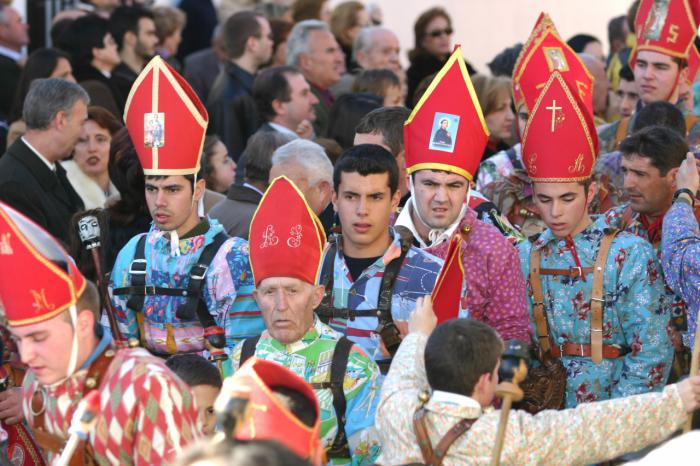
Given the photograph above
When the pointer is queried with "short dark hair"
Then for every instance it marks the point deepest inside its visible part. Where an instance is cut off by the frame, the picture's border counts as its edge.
(616, 29)
(258, 154)
(126, 19)
(297, 403)
(271, 84)
(660, 113)
(376, 81)
(237, 29)
(664, 146)
(346, 113)
(82, 35)
(580, 41)
(189, 177)
(503, 63)
(194, 370)
(367, 159)
(458, 352)
(389, 122)
(626, 73)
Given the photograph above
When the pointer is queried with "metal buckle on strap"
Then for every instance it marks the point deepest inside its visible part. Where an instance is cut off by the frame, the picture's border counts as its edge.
(579, 272)
(600, 300)
(198, 275)
(149, 290)
(138, 272)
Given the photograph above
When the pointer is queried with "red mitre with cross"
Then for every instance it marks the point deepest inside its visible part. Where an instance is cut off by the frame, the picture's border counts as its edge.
(268, 418)
(38, 279)
(286, 238)
(447, 131)
(543, 23)
(166, 121)
(550, 53)
(560, 143)
(667, 27)
(447, 292)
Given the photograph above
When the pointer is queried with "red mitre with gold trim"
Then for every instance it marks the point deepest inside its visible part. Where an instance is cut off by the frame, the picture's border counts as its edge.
(447, 292)
(543, 23)
(268, 418)
(550, 53)
(38, 279)
(447, 131)
(667, 27)
(693, 64)
(286, 238)
(166, 121)
(560, 143)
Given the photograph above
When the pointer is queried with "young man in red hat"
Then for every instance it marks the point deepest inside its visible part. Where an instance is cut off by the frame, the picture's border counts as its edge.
(594, 292)
(145, 415)
(440, 174)
(286, 247)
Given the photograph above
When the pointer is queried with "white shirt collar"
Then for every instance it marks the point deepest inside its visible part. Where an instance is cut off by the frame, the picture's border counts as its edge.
(283, 129)
(11, 54)
(52, 166)
(447, 398)
(250, 186)
(406, 220)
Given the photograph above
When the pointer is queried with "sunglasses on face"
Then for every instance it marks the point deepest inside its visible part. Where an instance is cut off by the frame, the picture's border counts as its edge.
(440, 32)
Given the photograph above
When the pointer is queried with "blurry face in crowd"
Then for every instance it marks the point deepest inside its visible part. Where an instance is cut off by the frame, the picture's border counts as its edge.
(92, 150)
(14, 33)
(393, 96)
(171, 203)
(364, 205)
(172, 42)
(63, 70)
(224, 168)
(657, 77)
(564, 206)
(107, 57)
(280, 56)
(287, 305)
(628, 96)
(147, 39)
(204, 397)
(325, 62)
(378, 139)
(301, 102)
(317, 195)
(648, 192)
(362, 20)
(596, 49)
(522, 120)
(601, 86)
(325, 12)
(383, 52)
(439, 196)
(262, 45)
(500, 121)
(438, 37)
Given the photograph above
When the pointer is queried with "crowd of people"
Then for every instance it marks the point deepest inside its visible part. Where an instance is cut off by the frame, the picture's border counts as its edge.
(244, 234)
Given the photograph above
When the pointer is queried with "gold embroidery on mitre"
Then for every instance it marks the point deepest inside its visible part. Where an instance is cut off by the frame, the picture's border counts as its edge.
(656, 20)
(532, 167)
(41, 302)
(269, 237)
(294, 241)
(672, 34)
(556, 119)
(577, 166)
(556, 60)
(5, 246)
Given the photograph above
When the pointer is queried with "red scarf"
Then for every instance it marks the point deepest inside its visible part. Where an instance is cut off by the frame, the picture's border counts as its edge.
(654, 228)
(572, 247)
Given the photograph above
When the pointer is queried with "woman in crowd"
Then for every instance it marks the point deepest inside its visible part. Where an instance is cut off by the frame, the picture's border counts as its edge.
(280, 31)
(311, 9)
(170, 23)
(219, 168)
(494, 94)
(347, 19)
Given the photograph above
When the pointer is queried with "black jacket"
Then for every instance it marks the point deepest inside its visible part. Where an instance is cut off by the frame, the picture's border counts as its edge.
(29, 186)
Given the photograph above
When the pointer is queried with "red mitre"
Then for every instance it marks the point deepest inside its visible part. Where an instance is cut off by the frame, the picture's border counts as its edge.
(447, 131)
(667, 27)
(550, 53)
(286, 238)
(447, 292)
(166, 121)
(38, 279)
(693, 64)
(268, 418)
(560, 143)
(543, 23)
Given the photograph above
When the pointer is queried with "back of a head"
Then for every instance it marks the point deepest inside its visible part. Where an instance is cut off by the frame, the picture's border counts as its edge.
(660, 113)
(376, 81)
(665, 148)
(194, 370)
(82, 35)
(241, 453)
(47, 97)
(458, 352)
(579, 42)
(126, 173)
(503, 63)
(258, 154)
(389, 122)
(367, 159)
(238, 28)
(126, 19)
(297, 403)
(307, 155)
(346, 113)
(298, 39)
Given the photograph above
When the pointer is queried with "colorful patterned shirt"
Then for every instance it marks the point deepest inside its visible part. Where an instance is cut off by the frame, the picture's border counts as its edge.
(147, 414)
(589, 434)
(415, 278)
(310, 358)
(680, 257)
(633, 313)
(499, 166)
(228, 292)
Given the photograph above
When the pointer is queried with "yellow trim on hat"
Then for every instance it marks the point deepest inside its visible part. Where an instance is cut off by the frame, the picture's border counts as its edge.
(440, 166)
(560, 180)
(546, 23)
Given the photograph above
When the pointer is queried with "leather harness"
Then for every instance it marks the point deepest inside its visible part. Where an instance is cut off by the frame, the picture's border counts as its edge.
(435, 456)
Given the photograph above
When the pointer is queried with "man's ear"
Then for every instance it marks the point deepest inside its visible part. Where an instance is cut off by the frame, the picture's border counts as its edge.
(326, 190)
(592, 192)
(86, 322)
(481, 384)
(671, 176)
(304, 61)
(129, 39)
(334, 200)
(278, 107)
(395, 199)
(199, 188)
(317, 296)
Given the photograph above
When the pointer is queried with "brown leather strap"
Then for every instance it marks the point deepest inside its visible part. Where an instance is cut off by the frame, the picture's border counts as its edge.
(538, 302)
(584, 351)
(690, 120)
(597, 299)
(426, 448)
(436, 456)
(621, 132)
(573, 272)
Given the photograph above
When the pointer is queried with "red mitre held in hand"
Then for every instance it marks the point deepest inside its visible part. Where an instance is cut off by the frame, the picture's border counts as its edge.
(447, 131)
(268, 418)
(38, 279)
(543, 23)
(550, 53)
(447, 292)
(286, 238)
(166, 121)
(667, 27)
(560, 143)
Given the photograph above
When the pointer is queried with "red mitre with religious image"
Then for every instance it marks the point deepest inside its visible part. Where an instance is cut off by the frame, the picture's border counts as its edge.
(286, 238)
(667, 27)
(38, 279)
(447, 131)
(550, 53)
(268, 418)
(447, 292)
(543, 23)
(560, 143)
(166, 121)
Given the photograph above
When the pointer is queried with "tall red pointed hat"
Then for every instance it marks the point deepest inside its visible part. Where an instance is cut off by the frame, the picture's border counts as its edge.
(447, 131)
(286, 238)
(166, 121)
(38, 279)
(560, 143)
(447, 292)
(543, 23)
(667, 27)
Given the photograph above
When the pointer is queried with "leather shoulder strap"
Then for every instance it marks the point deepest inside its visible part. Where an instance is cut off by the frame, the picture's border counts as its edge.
(248, 349)
(597, 298)
(434, 457)
(137, 274)
(324, 310)
(621, 132)
(541, 324)
(339, 366)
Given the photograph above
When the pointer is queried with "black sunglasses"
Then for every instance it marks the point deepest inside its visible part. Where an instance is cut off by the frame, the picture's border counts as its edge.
(439, 32)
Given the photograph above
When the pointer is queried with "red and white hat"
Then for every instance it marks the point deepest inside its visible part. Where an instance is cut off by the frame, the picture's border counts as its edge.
(166, 121)
(667, 27)
(447, 292)
(543, 23)
(560, 143)
(286, 238)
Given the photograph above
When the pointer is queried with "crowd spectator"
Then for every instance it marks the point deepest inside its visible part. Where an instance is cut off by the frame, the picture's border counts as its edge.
(311, 9)
(382, 83)
(169, 24)
(203, 67)
(494, 96)
(347, 20)
(219, 169)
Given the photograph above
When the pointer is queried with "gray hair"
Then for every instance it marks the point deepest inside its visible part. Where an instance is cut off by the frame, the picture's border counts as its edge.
(47, 97)
(309, 156)
(298, 40)
(364, 40)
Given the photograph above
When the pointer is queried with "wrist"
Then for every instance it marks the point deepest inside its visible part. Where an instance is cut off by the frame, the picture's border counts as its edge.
(684, 195)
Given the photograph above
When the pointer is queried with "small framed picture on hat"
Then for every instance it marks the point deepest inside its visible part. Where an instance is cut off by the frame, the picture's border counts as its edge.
(444, 132)
(154, 129)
